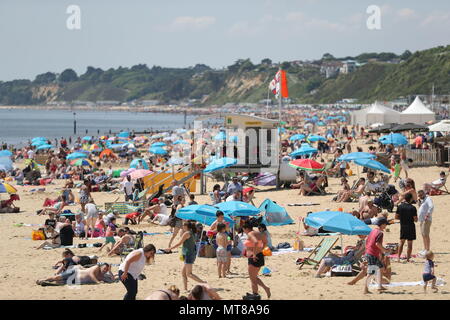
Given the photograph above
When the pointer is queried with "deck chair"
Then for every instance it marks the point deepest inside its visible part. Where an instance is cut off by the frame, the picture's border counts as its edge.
(319, 252)
(138, 244)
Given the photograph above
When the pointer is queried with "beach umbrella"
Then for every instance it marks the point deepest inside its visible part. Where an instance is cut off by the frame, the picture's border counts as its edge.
(124, 134)
(356, 156)
(139, 163)
(116, 146)
(217, 164)
(181, 131)
(107, 152)
(103, 138)
(203, 213)
(395, 139)
(95, 147)
(220, 136)
(129, 145)
(321, 124)
(82, 162)
(127, 172)
(233, 139)
(410, 127)
(383, 128)
(112, 138)
(39, 139)
(157, 150)
(87, 138)
(305, 149)
(296, 137)
(140, 138)
(140, 173)
(181, 142)
(307, 164)
(158, 144)
(7, 188)
(313, 138)
(38, 143)
(157, 136)
(376, 125)
(238, 208)
(45, 147)
(337, 221)
(372, 164)
(5, 153)
(76, 155)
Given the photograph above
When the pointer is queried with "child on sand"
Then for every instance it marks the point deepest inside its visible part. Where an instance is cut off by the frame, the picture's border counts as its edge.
(428, 272)
(223, 241)
(397, 170)
(110, 230)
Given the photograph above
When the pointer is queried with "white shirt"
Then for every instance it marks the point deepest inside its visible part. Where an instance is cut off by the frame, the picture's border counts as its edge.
(108, 218)
(426, 209)
(163, 209)
(135, 268)
(127, 187)
(30, 154)
(91, 209)
(163, 219)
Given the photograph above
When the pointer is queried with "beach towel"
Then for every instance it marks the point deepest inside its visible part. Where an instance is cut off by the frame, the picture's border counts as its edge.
(303, 204)
(439, 282)
(395, 256)
(156, 233)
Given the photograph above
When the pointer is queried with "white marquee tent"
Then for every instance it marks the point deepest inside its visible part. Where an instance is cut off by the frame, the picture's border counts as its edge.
(417, 113)
(376, 113)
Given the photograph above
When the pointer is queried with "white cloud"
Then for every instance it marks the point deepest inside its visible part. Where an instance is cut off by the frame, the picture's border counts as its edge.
(191, 23)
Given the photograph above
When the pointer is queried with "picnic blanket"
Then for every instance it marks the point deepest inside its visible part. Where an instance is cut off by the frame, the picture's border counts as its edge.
(439, 282)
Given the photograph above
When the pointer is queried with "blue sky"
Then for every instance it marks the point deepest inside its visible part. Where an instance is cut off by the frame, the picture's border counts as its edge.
(180, 33)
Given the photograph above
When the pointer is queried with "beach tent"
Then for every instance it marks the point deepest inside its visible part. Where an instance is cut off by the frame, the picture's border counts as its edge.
(274, 214)
(417, 113)
(443, 126)
(376, 113)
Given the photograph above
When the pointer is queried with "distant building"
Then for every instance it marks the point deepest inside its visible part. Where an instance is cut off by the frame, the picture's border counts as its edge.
(108, 103)
(331, 68)
(348, 67)
(148, 103)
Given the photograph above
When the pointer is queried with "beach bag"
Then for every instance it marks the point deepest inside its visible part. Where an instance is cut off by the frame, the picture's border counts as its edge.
(210, 251)
(38, 235)
(344, 270)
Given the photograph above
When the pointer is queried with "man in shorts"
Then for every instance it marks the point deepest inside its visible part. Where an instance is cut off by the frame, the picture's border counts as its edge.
(374, 250)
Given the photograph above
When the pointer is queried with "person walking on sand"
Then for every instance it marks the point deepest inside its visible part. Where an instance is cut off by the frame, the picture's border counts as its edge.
(426, 208)
(254, 245)
(407, 214)
(131, 268)
(428, 272)
(189, 252)
(374, 250)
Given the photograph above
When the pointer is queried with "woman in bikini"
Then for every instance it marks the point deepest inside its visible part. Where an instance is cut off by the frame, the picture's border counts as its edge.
(172, 293)
(254, 246)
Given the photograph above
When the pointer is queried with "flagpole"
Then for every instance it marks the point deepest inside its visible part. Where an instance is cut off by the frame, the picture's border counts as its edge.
(280, 102)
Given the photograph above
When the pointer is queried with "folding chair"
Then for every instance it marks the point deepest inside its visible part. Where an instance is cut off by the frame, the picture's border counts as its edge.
(319, 252)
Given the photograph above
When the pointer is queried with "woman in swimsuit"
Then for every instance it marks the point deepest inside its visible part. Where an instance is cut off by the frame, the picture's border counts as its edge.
(256, 243)
(70, 259)
(100, 226)
(172, 293)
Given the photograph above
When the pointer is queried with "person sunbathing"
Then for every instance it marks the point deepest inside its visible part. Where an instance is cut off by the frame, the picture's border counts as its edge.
(7, 206)
(355, 193)
(172, 293)
(56, 209)
(70, 259)
(345, 190)
(436, 184)
(203, 292)
(314, 186)
(303, 178)
(369, 211)
(410, 187)
(349, 257)
(79, 275)
(55, 239)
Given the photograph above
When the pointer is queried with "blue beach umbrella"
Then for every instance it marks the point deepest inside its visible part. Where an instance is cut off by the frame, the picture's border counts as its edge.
(202, 213)
(313, 138)
(38, 139)
(76, 155)
(124, 134)
(296, 137)
(181, 142)
(305, 149)
(158, 144)
(233, 139)
(356, 156)
(238, 208)
(5, 153)
(372, 164)
(87, 138)
(175, 161)
(321, 124)
(336, 221)
(44, 147)
(395, 139)
(157, 150)
(139, 162)
(218, 164)
(38, 143)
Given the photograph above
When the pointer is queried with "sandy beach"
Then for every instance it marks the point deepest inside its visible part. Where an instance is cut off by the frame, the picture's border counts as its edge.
(21, 265)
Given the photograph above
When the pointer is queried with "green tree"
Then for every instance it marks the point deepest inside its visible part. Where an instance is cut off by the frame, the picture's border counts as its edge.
(328, 56)
(68, 75)
(266, 61)
(45, 78)
(406, 55)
